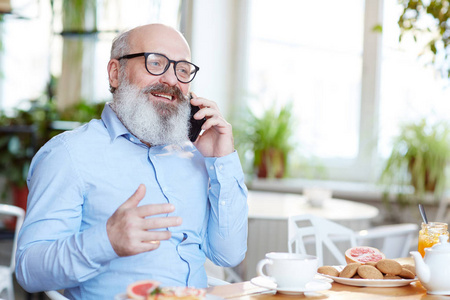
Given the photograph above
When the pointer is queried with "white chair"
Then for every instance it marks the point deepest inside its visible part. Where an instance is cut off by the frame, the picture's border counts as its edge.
(307, 229)
(393, 240)
(55, 295)
(7, 271)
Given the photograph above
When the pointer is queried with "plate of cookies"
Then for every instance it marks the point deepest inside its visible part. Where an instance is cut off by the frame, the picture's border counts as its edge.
(383, 273)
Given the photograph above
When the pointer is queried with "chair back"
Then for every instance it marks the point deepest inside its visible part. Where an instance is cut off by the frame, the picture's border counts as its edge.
(19, 214)
(393, 240)
(16, 214)
(325, 234)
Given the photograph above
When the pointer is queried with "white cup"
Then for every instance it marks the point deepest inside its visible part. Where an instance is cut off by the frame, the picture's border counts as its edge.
(288, 270)
(316, 196)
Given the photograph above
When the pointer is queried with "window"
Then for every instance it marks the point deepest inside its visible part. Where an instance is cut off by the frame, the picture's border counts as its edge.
(315, 58)
(33, 46)
(409, 89)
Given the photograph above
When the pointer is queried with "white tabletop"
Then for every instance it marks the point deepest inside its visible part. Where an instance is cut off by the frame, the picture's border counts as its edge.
(279, 206)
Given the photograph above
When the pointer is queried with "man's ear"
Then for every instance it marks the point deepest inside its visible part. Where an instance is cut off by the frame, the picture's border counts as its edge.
(113, 73)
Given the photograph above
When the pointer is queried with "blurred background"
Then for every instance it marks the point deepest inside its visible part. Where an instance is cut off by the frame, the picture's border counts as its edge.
(348, 99)
(332, 95)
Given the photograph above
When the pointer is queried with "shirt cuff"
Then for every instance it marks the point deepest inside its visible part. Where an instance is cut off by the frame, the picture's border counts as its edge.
(101, 250)
(225, 167)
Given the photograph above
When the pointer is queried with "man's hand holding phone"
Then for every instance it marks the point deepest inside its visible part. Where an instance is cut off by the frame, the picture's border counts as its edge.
(217, 138)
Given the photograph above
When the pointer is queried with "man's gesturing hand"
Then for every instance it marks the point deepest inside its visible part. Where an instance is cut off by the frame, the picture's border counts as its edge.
(130, 232)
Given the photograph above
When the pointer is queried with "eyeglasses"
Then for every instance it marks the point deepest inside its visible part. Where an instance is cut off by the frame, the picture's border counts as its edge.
(157, 64)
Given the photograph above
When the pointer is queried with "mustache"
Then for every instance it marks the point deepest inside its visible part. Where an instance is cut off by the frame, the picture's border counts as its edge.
(162, 88)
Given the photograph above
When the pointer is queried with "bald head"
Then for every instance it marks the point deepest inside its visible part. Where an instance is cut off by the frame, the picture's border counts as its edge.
(150, 38)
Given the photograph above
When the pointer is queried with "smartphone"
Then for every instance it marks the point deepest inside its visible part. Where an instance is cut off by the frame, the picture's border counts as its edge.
(195, 125)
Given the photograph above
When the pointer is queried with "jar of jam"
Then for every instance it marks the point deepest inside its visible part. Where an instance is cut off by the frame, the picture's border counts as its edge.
(429, 235)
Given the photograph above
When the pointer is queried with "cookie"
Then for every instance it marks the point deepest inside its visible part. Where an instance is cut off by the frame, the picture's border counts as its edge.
(390, 276)
(371, 263)
(349, 270)
(405, 273)
(410, 268)
(369, 272)
(328, 270)
(389, 266)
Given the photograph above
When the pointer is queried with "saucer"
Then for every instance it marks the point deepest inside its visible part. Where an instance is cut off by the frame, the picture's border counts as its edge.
(312, 286)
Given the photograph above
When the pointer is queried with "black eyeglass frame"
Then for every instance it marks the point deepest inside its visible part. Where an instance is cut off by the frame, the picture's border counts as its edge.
(147, 54)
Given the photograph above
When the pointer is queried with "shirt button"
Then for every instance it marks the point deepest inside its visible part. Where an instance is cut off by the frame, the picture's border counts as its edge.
(222, 202)
(131, 139)
(220, 167)
(211, 167)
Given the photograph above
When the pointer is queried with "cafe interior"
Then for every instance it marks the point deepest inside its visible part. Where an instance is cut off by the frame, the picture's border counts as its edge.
(340, 115)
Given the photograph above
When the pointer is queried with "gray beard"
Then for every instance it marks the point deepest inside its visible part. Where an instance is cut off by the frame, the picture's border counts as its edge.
(142, 119)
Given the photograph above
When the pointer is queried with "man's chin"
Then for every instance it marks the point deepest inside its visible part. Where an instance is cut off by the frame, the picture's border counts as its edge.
(165, 109)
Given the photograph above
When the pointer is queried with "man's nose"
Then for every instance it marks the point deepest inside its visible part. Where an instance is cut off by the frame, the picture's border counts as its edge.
(169, 76)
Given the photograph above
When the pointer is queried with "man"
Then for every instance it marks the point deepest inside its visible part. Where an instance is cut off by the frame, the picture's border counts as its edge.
(129, 197)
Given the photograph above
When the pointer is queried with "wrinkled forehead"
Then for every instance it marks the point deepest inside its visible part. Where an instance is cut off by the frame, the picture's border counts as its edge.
(160, 39)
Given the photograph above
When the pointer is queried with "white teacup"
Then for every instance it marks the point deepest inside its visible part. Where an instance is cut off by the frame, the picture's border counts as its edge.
(288, 270)
(316, 196)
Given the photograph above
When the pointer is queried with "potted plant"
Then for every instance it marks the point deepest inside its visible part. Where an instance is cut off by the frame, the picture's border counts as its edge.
(21, 134)
(24, 131)
(418, 160)
(267, 139)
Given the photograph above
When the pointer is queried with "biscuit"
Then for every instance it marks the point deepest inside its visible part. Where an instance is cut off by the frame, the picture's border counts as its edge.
(328, 270)
(390, 276)
(349, 270)
(371, 263)
(405, 273)
(389, 266)
(369, 272)
(410, 268)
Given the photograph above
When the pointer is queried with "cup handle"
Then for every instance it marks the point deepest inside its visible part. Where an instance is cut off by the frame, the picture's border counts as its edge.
(260, 267)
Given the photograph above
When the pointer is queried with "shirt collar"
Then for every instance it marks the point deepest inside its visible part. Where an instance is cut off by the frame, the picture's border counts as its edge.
(113, 124)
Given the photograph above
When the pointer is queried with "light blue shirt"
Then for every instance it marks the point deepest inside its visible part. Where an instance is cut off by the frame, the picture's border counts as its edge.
(79, 178)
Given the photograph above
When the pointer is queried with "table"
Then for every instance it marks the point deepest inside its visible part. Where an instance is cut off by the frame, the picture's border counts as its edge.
(246, 290)
(279, 206)
(267, 222)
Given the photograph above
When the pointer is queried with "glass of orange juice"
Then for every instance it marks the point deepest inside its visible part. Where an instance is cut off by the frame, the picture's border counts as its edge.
(429, 235)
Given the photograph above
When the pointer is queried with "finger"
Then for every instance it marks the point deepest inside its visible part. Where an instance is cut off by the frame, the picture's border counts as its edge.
(202, 102)
(155, 209)
(208, 113)
(143, 247)
(157, 223)
(155, 236)
(219, 123)
(134, 200)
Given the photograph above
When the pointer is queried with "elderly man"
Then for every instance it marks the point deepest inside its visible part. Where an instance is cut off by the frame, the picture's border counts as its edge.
(129, 197)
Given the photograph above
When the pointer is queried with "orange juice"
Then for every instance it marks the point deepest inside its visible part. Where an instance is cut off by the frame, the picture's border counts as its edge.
(429, 235)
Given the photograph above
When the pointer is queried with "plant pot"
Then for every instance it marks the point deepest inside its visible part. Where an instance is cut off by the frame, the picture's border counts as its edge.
(19, 198)
(429, 185)
(273, 164)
